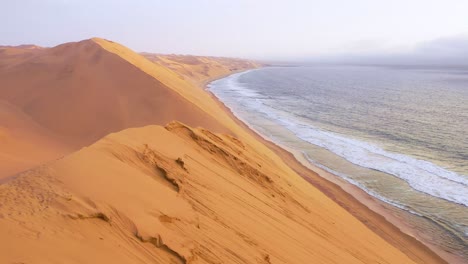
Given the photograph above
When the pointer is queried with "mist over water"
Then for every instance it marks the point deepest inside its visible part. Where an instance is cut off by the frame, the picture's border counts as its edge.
(399, 133)
(450, 52)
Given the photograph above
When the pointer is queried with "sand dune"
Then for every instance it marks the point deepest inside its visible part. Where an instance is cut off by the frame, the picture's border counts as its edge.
(177, 195)
(82, 91)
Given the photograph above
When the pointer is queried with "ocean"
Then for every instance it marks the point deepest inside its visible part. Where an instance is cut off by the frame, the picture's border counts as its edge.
(400, 133)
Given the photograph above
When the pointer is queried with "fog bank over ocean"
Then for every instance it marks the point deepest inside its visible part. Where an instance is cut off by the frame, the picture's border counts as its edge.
(447, 51)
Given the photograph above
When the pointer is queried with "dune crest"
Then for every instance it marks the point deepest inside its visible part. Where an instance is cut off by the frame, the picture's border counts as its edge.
(176, 194)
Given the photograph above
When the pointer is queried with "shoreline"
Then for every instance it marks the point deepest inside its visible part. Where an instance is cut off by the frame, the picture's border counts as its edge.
(366, 208)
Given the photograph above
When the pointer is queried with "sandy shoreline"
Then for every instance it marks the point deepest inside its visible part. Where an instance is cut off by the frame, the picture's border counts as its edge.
(363, 206)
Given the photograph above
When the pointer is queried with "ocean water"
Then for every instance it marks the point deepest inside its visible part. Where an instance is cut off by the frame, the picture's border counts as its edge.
(399, 133)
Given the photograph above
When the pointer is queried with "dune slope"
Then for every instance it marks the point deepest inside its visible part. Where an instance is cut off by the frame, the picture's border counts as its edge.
(176, 194)
(79, 92)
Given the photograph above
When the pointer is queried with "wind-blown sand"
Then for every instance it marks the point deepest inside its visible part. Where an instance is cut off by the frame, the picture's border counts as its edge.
(160, 194)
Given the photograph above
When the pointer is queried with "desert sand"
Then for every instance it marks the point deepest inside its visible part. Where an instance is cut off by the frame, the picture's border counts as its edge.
(76, 93)
(135, 186)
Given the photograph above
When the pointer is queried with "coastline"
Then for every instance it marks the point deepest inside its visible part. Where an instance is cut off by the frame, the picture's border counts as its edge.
(367, 209)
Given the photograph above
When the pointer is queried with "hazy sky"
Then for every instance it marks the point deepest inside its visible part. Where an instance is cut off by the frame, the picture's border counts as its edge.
(245, 28)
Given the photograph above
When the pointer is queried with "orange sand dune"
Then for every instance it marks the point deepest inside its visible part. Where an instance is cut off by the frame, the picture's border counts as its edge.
(177, 195)
(82, 91)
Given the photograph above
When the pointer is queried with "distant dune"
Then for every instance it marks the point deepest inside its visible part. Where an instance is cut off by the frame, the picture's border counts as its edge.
(127, 159)
(201, 69)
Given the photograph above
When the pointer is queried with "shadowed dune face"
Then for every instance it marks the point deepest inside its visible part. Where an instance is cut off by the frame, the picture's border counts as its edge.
(23, 142)
(83, 92)
(79, 92)
(176, 194)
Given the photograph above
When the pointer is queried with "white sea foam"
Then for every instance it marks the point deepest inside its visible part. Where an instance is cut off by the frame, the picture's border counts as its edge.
(421, 175)
(361, 186)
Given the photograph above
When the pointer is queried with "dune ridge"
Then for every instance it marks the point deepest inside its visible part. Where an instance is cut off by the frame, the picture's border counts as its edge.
(82, 91)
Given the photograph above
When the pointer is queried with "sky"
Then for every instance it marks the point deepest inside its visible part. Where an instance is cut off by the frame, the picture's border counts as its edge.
(259, 29)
